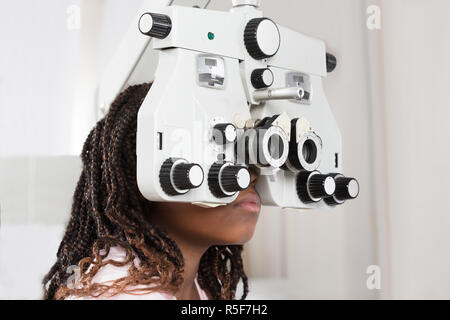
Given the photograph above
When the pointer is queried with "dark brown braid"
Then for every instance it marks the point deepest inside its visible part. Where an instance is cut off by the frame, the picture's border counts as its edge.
(108, 210)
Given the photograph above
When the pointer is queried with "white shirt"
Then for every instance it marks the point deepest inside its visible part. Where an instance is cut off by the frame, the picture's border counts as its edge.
(109, 273)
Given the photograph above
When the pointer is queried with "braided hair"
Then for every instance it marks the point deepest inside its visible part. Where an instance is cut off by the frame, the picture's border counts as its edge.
(108, 210)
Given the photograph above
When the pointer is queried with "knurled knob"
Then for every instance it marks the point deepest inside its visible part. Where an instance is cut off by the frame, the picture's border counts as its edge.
(321, 186)
(187, 176)
(235, 178)
(177, 176)
(346, 188)
(225, 179)
(331, 62)
(262, 38)
(155, 25)
(262, 78)
(224, 133)
(313, 186)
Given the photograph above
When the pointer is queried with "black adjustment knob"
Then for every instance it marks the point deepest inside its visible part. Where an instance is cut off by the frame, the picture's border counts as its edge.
(155, 25)
(331, 62)
(262, 78)
(177, 176)
(224, 133)
(321, 186)
(346, 188)
(262, 38)
(187, 176)
(313, 186)
(235, 178)
(225, 179)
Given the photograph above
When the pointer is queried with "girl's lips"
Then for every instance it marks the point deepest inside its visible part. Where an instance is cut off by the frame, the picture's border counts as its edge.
(250, 202)
(249, 206)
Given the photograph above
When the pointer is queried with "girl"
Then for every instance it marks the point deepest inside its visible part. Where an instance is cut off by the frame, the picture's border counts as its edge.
(119, 245)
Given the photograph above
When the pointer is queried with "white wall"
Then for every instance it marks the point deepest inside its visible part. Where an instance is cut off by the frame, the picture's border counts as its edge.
(48, 78)
(50, 70)
(35, 200)
(413, 49)
(38, 63)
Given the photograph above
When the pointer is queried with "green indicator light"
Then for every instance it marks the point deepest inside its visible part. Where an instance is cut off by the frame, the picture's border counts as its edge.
(211, 36)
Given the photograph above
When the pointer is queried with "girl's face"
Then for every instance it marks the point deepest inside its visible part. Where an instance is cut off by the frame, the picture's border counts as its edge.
(225, 225)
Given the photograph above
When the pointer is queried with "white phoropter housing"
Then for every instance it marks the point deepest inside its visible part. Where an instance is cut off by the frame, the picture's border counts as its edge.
(232, 90)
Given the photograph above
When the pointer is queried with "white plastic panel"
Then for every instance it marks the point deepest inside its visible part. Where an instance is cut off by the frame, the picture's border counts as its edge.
(297, 51)
(134, 62)
(184, 112)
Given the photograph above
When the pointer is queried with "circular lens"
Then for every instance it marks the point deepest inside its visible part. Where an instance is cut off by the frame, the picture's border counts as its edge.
(309, 151)
(269, 148)
(306, 153)
(276, 147)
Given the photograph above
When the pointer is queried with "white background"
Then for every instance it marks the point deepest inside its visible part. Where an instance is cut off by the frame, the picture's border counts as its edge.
(390, 98)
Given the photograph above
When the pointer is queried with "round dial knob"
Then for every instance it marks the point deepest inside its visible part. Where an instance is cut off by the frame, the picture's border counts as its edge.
(155, 25)
(225, 179)
(346, 189)
(262, 78)
(177, 176)
(331, 62)
(314, 186)
(224, 133)
(187, 176)
(262, 38)
(321, 186)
